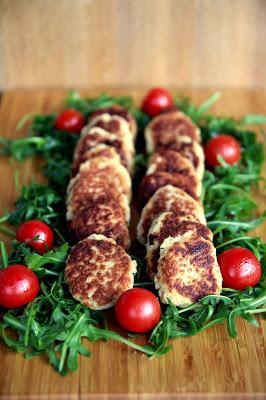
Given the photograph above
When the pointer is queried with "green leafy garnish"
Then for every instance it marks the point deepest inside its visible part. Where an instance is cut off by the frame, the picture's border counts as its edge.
(54, 323)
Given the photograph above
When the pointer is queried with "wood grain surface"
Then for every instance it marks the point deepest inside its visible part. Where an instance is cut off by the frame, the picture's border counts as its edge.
(45, 43)
(209, 365)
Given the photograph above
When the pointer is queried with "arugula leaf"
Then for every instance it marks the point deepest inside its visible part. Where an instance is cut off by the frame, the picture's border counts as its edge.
(54, 323)
(56, 257)
(89, 105)
(37, 201)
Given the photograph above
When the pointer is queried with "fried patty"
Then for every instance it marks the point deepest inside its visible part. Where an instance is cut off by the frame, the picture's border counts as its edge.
(170, 224)
(173, 162)
(103, 150)
(168, 128)
(100, 215)
(111, 170)
(80, 188)
(168, 198)
(95, 136)
(117, 126)
(187, 270)
(151, 183)
(113, 124)
(118, 111)
(98, 271)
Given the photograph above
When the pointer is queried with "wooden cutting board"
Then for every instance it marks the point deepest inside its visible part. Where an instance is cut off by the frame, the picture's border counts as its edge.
(205, 366)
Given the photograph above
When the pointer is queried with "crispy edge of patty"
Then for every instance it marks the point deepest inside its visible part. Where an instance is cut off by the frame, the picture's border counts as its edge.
(159, 203)
(173, 162)
(111, 169)
(170, 224)
(103, 293)
(90, 139)
(106, 218)
(119, 111)
(151, 183)
(160, 131)
(187, 270)
(81, 189)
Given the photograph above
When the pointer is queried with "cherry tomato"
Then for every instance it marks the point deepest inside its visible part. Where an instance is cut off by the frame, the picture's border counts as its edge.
(18, 286)
(224, 145)
(70, 120)
(138, 310)
(31, 229)
(240, 268)
(157, 100)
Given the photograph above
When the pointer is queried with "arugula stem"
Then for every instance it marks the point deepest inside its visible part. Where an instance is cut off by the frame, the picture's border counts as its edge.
(4, 218)
(221, 186)
(115, 336)
(257, 311)
(234, 240)
(65, 347)
(7, 231)
(240, 224)
(28, 323)
(204, 107)
(4, 254)
(13, 322)
(259, 301)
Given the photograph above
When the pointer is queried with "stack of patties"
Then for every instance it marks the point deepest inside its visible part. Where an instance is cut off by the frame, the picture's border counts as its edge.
(98, 212)
(100, 189)
(180, 254)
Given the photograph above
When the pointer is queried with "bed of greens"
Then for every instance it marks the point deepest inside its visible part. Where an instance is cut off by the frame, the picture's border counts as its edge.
(54, 323)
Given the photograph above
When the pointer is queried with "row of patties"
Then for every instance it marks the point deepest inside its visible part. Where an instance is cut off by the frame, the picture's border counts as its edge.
(98, 209)
(181, 258)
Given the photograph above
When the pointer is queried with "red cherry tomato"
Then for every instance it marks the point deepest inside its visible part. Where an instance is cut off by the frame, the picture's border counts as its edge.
(18, 286)
(240, 268)
(224, 145)
(138, 310)
(70, 120)
(31, 229)
(157, 100)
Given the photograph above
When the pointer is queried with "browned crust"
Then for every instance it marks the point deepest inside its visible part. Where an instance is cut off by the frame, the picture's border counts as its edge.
(118, 111)
(200, 255)
(171, 161)
(151, 183)
(88, 142)
(185, 149)
(101, 215)
(173, 225)
(112, 126)
(182, 207)
(167, 127)
(92, 279)
(104, 170)
(96, 187)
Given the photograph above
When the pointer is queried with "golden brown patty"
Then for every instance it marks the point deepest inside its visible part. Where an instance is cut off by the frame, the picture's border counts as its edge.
(113, 124)
(80, 187)
(168, 198)
(168, 128)
(116, 126)
(98, 271)
(101, 215)
(187, 270)
(151, 183)
(170, 224)
(192, 151)
(173, 162)
(119, 111)
(102, 150)
(92, 138)
(102, 168)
